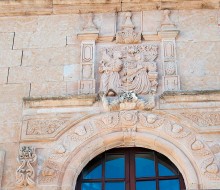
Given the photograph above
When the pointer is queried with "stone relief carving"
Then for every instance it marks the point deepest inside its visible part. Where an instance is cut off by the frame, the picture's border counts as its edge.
(176, 130)
(44, 127)
(167, 24)
(204, 119)
(49, 172)
(128, 122)
(127, 35)
(128, 101)
(129, 71)
(150, 120)
(198, 147)
(108, 121)
(25, 173)
(210, 169)
(129, 68)
(89, 25)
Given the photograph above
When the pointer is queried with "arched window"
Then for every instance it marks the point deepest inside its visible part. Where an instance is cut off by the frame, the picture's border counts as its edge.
(130, 169)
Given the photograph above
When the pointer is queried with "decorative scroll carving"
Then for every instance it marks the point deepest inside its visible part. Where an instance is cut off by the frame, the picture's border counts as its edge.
(128, 101)
(210, 169)
(204, 119)
(129, 68)
(25, 173)
(127, 35)
(44, 127)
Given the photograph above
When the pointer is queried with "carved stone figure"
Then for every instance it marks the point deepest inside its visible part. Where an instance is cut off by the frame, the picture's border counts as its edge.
(129, 68)
(25, 173)
(110, 68)
(127, 35)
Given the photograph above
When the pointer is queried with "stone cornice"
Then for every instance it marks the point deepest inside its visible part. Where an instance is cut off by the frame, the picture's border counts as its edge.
(42, 7)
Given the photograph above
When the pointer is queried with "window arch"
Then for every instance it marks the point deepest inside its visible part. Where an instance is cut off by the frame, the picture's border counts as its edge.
(130, 169)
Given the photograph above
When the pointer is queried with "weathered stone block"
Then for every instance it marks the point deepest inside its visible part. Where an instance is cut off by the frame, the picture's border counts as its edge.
(10, 132)
(198, 25)
(11, 112)
(6, 40)
(13, 92)
(51, 57)
(39, 39)
(35, 74)
(10, 58)
(52, 89)
(3, 75)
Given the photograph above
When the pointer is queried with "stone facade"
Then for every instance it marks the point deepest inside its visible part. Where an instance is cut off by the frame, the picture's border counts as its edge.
(74, 84)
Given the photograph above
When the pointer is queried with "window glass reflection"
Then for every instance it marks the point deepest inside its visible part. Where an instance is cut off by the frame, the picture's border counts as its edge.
(115, 186)
(115, 166)
(94, 172)
(166, 168)
(92, 186)
(172, 184)
(146, 185)
(144, 164)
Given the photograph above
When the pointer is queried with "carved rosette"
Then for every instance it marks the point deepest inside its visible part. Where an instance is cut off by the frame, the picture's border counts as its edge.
(25, 174)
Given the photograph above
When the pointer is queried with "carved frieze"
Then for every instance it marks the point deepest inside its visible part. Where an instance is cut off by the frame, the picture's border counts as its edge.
(25, 174)
(127, 35)
(44, 126)
(210, 168)
(150, 120)
(203, 119)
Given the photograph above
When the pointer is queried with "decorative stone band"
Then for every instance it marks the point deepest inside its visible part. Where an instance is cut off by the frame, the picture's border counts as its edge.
(130, 123)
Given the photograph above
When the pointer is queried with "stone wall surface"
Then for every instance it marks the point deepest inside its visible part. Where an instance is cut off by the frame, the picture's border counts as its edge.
(40, 59)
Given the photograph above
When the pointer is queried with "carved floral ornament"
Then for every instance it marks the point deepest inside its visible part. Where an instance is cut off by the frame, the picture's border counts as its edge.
(130, 123)
(25, 174)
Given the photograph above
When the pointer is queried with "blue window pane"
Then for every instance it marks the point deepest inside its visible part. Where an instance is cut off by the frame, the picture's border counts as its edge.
(146, 185)
(144, 164)
(115, 166)
(172, 184)
(93, 173)
(166, 168)
(92, 186)
(115, 186)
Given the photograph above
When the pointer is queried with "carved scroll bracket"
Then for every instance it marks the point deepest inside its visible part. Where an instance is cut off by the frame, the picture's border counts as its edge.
(88, 37)
(168, 34)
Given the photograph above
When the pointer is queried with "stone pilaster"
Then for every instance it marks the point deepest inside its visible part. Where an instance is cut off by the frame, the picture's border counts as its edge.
(168, 34)
(88, 37)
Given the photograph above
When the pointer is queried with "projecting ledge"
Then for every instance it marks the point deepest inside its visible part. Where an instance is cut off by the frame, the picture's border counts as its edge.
(76, 100)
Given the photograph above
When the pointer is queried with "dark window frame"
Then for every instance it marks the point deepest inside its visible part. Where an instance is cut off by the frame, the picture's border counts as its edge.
(130, 178)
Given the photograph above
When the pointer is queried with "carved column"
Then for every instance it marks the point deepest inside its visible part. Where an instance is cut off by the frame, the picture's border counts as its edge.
(88, 37)
(2, 160)
(168, 34)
